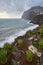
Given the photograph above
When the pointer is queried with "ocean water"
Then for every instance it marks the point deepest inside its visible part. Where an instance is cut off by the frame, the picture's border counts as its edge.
(12, 28)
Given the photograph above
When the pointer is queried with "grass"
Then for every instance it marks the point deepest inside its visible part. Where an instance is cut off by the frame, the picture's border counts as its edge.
(41, 43)
(3, 55)
(36, 45)
(6, 46)
(29, 32)
(20, 42)
(29, 55)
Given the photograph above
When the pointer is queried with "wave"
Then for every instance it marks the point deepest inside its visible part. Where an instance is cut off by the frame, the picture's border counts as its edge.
(11, 38)
(5, 28)
(29, 22)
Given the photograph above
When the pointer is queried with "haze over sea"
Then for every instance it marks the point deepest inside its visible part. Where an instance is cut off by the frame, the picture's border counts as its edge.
(12, 28)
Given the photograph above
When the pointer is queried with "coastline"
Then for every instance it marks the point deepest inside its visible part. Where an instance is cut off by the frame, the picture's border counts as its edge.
(20, 33)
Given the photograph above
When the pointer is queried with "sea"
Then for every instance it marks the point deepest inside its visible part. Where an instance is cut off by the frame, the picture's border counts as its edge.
(12, 28)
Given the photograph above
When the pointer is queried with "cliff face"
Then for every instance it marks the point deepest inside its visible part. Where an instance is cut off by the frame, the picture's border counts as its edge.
(32, 13)
(38, 19)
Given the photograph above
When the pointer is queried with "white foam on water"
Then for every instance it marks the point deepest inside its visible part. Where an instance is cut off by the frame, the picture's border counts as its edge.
(28, 21)
(20, 33)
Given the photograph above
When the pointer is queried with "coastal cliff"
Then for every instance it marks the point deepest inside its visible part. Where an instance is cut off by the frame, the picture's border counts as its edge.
(35, 14)
(18, 52)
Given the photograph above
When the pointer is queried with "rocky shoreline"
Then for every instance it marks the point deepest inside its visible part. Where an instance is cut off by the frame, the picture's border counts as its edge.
(17, 52)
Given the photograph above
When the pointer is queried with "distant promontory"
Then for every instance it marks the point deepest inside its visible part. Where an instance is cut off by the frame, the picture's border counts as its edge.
(35, 14)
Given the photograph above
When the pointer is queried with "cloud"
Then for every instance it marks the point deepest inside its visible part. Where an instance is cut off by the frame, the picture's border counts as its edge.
(15, 8)
(6, 15)
(35, 3)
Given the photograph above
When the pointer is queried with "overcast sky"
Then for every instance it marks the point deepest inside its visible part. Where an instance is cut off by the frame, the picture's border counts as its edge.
(15, 8)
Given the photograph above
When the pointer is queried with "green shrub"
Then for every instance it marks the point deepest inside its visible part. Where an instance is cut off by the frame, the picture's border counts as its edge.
(3, 55)
(7, 46)
(29, 32)
(41, 32)
(40, 29)
(20, 42)
(36, 45)
(29, 55)
(41, 43)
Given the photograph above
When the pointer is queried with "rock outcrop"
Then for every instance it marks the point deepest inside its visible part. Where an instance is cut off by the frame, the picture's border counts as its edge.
(35, 14)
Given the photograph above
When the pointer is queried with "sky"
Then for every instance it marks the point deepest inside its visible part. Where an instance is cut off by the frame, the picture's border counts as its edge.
(15, 8)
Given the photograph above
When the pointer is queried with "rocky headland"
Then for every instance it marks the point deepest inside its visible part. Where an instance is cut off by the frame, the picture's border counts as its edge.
(35, 14)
